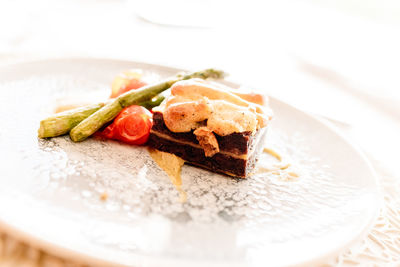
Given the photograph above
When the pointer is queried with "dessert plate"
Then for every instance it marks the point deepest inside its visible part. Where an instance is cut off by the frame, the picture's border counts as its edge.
(107, 203)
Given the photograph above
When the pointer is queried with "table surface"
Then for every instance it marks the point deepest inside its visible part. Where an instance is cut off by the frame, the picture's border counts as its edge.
(339, 62)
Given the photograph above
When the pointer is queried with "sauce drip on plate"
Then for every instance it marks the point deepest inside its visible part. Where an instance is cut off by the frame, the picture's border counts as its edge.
(172, 165)
(281, 169)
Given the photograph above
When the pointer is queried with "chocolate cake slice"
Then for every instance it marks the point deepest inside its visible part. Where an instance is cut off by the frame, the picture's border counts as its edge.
(211, 126)
(237, 156)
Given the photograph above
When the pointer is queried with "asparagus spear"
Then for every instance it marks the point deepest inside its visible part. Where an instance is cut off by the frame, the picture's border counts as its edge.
(63, 122)
(154, 102)
(107, 113)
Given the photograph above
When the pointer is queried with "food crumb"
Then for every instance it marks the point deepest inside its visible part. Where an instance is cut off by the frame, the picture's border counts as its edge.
(104, 196)
(284, 167)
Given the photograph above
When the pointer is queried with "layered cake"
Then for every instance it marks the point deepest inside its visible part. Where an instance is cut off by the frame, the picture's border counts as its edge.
(211, 126)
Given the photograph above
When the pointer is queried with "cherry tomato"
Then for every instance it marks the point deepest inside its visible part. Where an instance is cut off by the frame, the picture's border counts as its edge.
(125, 82)
(131, 126)
(108, 132)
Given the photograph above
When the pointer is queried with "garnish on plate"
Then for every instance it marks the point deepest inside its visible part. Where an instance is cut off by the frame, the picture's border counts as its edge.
(131, 126)
(85, 121)
(126, 81)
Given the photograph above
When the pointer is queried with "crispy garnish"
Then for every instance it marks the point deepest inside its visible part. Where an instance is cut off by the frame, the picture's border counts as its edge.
(185, 116)
(207, 141)
(193, 101)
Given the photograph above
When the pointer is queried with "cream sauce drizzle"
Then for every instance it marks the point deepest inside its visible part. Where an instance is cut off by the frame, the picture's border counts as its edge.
(193, 102)
(172, 165)
(282, 170)
(272, 153)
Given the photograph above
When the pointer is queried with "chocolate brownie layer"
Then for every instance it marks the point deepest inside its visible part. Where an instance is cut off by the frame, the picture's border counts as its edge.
(236, 143)
(221, 163)
(238, 152)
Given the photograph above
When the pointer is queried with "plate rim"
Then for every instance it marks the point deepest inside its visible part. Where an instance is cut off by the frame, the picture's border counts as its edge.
(76, 256)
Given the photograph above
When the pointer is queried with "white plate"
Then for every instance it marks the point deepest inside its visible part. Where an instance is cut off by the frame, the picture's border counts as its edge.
(50, 189)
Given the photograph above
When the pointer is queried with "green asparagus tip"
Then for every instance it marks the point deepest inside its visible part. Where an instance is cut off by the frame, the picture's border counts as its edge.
(204, 74)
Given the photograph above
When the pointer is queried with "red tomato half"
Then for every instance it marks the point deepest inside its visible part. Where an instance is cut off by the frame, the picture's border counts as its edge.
(127, 86)
(131, 126)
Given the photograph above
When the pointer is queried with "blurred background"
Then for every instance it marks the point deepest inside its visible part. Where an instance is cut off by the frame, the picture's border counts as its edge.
(337, 59)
